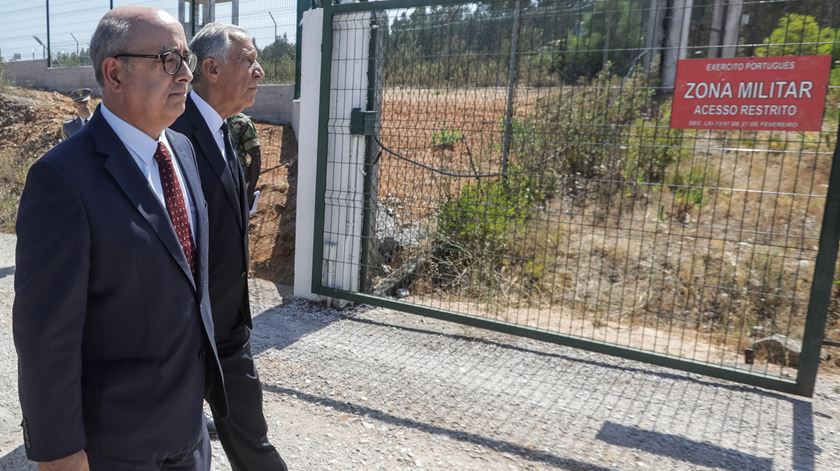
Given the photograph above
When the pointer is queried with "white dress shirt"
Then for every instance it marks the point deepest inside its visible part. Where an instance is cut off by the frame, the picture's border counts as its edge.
(142, 149)
(213, 119)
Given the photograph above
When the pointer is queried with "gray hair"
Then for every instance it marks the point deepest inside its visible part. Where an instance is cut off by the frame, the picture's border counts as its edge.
(109, 39)
(213, 41)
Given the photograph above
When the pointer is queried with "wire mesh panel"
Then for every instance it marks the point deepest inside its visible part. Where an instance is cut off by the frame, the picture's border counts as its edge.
(520, 173)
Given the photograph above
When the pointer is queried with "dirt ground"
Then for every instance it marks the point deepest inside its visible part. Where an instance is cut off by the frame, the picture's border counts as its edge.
(30, 123)
(273, 225)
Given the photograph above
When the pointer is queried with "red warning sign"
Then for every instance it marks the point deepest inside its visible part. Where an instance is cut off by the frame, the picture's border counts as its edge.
(757, 93)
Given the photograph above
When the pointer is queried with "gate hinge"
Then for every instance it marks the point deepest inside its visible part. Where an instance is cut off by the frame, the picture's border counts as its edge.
(363, 122)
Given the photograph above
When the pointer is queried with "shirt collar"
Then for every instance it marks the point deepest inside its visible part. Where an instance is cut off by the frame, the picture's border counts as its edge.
(211, 117)
(134, 139)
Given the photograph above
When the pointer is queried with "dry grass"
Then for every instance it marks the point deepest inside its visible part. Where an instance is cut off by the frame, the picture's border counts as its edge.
(623, 261)
(30, 124)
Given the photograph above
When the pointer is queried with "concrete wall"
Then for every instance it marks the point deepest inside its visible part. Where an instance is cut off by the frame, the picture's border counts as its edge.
(35, 74)
(273, 103)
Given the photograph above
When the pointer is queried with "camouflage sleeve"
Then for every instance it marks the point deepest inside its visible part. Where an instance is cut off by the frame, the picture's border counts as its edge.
(250, 138)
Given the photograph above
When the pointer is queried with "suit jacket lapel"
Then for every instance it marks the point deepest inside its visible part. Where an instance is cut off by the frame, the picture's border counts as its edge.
(214, 157)
(122, 168)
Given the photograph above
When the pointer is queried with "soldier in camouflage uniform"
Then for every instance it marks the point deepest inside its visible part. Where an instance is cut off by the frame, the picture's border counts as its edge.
(246, 144)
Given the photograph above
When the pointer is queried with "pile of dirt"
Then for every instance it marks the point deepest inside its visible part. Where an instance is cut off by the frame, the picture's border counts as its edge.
(30, 120)
(273, 225)
(30, 124)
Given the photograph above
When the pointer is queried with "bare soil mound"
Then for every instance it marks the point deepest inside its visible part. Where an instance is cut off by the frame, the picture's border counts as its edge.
(30, 124)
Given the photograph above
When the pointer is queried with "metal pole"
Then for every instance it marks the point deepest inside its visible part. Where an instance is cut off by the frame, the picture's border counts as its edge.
(77, 43)
(275, 25)
(809, 360)
(193, 17)
(49, 52)
(650, 34)
(302, 5)
(716, 32)
(369, 194)
(732, 28)
(511, 85)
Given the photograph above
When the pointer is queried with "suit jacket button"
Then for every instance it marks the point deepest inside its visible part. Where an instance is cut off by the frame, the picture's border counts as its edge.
(202, 354)
(243, 275)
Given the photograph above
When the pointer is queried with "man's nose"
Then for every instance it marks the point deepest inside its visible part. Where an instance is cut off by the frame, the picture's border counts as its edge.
(184, 74)
(259, 73)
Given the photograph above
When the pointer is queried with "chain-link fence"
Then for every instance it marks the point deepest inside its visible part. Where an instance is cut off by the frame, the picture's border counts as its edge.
(523, 176)
(61, 29)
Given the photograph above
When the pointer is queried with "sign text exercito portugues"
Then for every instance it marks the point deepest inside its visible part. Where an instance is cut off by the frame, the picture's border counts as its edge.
(759, 93)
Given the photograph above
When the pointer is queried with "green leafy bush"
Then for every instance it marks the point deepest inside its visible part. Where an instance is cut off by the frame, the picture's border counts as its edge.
(651, 148)
(581, 130)
(608, 33)
(801, 35)
(480, 233)
(447, 137)
(484, 214)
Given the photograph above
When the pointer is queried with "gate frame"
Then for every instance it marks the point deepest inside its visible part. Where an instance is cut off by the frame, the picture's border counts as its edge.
(820, 293)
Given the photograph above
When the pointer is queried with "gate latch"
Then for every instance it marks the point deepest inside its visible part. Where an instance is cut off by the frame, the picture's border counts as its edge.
(363, 122)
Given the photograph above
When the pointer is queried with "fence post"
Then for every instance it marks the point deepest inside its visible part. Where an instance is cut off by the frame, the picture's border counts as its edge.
(732, 28)
(312, 27)
(675, 40)
(513, 72)
(809, 360)
(302, 5)
(49, 51)
(371, 174)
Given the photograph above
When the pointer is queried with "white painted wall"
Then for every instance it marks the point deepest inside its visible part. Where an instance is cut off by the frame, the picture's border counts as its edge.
(310, 79)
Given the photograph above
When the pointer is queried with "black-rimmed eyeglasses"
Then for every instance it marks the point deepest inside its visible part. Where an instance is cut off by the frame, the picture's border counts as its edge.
(171, 60)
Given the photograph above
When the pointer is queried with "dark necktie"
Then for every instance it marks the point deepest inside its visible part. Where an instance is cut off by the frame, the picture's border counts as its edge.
(175, 203)
(231, 160)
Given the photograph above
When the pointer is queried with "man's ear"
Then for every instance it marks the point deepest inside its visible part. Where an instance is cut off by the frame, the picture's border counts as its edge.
(210, 69)
(111, 74)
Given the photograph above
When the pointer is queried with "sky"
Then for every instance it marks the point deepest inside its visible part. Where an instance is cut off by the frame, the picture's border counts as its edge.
(20, 20)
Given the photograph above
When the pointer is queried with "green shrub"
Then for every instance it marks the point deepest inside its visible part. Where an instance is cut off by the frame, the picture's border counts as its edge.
(652, 147)
(484, 214)
(13, 170)
(480, 233)
(446, 137)
(4, 82)
(800, 35)
(610, 25)
(688, 188)
(585, 127)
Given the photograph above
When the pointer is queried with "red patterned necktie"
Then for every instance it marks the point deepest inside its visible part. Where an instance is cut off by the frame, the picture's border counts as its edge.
(175, 203)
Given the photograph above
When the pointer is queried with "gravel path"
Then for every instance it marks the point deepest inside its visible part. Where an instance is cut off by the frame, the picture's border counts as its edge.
(374, 389)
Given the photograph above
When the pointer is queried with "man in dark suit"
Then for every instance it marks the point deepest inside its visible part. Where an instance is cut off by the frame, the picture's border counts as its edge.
(112, 318)
(225, 83)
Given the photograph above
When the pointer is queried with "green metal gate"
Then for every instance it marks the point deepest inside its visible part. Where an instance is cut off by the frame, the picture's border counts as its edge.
(510, 165)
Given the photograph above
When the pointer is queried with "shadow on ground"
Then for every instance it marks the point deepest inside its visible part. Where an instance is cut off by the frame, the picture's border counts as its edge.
(623, 407)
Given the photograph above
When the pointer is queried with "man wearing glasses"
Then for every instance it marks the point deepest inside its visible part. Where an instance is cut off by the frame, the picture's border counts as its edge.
(225, 82)
(112, 319)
